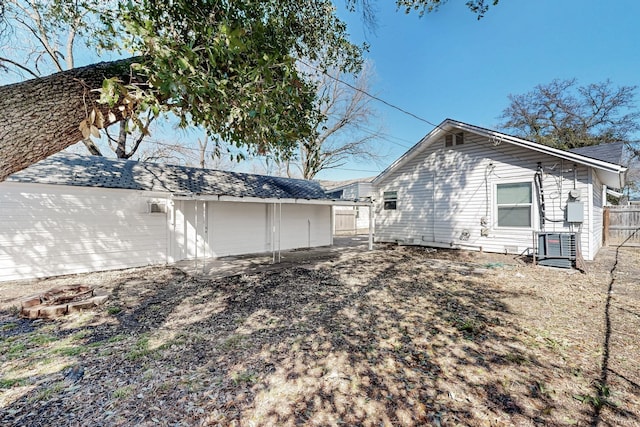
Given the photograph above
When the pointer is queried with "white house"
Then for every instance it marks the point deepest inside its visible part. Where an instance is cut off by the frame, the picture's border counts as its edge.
(464, 186)
(72, 214)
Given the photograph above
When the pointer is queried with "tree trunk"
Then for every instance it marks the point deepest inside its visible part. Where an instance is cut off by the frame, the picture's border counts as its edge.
(91, 147)
(41, 116)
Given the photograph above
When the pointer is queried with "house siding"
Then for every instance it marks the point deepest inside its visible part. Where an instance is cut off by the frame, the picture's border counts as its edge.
(51, 230)
(598, 212)
(445, 193)
(48, 230)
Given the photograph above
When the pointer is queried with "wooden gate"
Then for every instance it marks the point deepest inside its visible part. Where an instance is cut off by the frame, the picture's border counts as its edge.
(345, 221)
(621, 225)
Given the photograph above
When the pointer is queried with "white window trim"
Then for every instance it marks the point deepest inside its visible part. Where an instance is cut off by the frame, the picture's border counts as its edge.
(457, 138)
(532, 205)
(384, 200)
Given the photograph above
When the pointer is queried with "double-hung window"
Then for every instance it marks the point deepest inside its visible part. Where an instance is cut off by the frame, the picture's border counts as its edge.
(390, 199)
(514, 204)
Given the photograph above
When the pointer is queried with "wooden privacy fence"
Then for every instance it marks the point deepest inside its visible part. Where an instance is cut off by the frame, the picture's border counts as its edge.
(345, 221)
(621, 225)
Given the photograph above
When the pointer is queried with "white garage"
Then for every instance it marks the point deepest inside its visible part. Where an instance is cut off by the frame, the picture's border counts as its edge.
(73, 214)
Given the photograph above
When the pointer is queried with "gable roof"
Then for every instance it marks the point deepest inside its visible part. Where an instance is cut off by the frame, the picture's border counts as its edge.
(95, 171)
(611, 174)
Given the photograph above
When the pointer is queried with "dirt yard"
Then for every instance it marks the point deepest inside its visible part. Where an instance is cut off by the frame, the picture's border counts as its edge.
(398, 336)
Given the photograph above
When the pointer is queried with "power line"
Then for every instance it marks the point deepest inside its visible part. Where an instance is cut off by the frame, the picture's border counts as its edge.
(387, 103)
(379, 133)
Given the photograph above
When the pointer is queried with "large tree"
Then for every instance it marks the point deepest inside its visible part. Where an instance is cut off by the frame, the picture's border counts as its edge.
(45, 37)
(228, 66)
(564, 115)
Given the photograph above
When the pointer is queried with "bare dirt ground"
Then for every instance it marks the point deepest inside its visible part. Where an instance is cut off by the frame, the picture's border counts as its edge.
(397, 336)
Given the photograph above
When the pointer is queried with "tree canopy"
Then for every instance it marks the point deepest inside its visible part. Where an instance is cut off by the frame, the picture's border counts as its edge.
(564, 115)
(229, 66)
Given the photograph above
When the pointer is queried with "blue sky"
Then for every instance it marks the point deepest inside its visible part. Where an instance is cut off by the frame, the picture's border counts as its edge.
(449, 64)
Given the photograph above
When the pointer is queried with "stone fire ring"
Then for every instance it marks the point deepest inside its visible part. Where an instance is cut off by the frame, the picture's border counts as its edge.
(62, 300)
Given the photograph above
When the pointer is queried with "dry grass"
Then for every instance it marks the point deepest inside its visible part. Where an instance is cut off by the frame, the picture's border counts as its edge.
(398, 336)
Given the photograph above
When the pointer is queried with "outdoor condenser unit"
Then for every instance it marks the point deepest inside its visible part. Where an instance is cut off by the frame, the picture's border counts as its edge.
(557, 249)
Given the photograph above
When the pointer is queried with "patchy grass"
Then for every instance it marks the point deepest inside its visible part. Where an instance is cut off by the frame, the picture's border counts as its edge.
(11, 382)
(398, 336)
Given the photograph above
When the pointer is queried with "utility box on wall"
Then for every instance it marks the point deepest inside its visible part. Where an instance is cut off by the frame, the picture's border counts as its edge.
(575, 212)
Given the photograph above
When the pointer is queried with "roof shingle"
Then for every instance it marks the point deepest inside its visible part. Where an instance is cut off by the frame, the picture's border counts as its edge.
(95, 171)
(612, 152)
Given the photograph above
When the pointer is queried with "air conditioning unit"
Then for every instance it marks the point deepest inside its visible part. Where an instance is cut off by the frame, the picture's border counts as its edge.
(557, 249)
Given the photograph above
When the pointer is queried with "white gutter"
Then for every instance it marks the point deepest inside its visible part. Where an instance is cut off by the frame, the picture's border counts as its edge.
(222, 198)
(613, 193)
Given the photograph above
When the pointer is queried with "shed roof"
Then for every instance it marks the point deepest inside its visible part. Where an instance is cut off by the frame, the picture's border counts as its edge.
(610, 173)
(336, 185)
(612, 152)
(96, 171)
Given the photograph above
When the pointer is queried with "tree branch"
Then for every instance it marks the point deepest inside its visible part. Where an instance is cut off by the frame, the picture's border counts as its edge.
(20, 66)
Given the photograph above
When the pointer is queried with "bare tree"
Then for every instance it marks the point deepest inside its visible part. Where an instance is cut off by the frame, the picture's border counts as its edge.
(202, 146)
(564, 115)
(49, 33)
(342, 130)
(118, 144)
(204, 151)
(45, 44)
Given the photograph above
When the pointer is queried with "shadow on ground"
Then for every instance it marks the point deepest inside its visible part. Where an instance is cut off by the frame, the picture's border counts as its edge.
(391, 337)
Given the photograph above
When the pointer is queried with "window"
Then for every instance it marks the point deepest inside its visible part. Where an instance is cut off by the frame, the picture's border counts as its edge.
(514, 202)
(454, 139)
(390, 200)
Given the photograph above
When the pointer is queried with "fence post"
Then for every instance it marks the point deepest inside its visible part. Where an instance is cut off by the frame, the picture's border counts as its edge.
(605, 227)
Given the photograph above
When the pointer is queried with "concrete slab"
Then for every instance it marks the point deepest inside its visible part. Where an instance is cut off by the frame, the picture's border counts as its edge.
(244, 264)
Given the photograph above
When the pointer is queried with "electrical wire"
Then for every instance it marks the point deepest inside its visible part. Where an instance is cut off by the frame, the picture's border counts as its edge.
(364, 92)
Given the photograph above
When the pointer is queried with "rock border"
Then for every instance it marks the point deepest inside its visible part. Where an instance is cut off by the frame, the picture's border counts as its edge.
(60, 301)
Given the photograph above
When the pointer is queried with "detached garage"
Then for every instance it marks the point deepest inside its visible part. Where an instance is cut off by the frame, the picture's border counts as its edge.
(72, 214)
